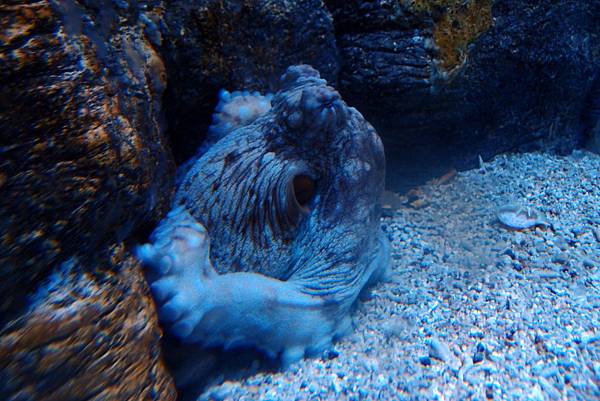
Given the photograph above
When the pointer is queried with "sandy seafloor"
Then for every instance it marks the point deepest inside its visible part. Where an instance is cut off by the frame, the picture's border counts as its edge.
(473, 311)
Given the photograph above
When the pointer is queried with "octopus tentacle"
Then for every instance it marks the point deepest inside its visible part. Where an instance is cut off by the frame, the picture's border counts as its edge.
(198, 305)
(235, 110)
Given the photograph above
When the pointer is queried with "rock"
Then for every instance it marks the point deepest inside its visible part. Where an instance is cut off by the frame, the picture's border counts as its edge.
(591, 118)
(83, 162)
(439, 350)
(86, 335)
(83, 156)
(237, 46)
(446, 81)
(425, 360)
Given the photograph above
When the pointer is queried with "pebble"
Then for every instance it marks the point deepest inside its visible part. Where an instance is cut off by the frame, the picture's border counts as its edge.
(560, 258)
(425, 360)
(439, 350)
(549, 389)
(510, 253)
(476, 334)
(588, 263)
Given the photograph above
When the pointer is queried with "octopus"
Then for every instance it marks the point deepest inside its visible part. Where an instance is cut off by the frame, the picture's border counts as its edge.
(275, 228)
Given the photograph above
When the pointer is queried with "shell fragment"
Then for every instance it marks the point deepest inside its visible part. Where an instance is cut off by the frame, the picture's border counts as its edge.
(521, 217)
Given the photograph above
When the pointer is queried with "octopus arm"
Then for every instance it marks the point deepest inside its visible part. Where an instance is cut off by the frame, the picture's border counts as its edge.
(235, 110)
(198, 305)
(344, 278)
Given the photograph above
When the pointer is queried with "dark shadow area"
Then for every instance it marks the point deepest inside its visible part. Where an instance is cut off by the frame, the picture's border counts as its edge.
(194, 368)
(591, 117)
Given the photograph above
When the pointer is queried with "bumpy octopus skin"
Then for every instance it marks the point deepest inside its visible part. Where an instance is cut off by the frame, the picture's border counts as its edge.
(275, 229)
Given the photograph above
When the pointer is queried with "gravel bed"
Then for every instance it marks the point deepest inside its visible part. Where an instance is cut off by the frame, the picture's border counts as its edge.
(473, 310)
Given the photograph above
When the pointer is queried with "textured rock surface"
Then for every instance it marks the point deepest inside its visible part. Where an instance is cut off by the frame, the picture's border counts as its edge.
(236, 45)
(82, 162)
(591, 118)
(83, 156)
(86, 335)
(443, 81)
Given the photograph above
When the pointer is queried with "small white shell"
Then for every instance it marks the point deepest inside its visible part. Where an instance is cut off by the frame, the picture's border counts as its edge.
(521, 217)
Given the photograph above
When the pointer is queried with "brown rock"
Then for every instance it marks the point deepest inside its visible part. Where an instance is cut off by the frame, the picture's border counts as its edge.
(87, 335)
(83, 162)
(83, 157)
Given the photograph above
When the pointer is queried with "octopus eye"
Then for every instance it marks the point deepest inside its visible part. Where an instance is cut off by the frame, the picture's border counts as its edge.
(304, 190)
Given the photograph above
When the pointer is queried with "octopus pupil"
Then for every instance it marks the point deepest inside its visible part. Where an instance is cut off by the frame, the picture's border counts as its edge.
(304, 189)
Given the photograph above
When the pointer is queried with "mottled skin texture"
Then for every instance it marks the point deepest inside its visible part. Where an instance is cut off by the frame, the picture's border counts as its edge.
(290, 206)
